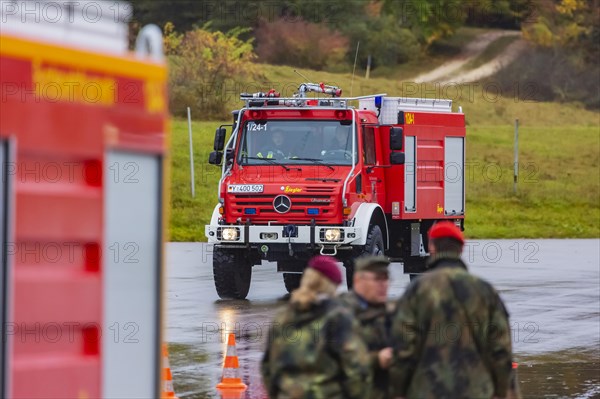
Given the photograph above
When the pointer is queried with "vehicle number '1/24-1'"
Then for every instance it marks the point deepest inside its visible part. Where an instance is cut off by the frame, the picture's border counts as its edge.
(245, 188)
(257, 127)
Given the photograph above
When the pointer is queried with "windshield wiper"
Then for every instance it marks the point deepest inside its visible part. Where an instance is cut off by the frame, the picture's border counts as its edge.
(315, 160)
(270, 160)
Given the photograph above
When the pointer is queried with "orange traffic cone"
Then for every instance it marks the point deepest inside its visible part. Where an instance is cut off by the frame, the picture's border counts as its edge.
(514, 390)
(231, 377)
(167, 386)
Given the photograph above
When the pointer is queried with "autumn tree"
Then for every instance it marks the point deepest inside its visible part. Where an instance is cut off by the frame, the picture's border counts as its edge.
(205, 68)
(563, 61)
(572, 25)
(300, 43)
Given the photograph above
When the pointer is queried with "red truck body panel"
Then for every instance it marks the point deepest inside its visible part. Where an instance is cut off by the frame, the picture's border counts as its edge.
(59, 139)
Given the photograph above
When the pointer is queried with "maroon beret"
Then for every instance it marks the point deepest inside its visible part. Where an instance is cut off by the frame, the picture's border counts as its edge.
(327, 266)
(448, 230)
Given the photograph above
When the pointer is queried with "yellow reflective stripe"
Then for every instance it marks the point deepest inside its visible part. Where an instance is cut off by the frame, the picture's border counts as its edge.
(113, 65)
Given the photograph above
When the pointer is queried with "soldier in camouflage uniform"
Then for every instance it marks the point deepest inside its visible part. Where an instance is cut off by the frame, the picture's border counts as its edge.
(313, 349)
(450, 331)
(367, 301)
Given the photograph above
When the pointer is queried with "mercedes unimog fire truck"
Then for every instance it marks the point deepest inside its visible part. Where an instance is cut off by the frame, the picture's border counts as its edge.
(305, 175)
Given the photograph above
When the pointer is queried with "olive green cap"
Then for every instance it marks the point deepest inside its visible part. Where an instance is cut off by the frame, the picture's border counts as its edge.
(377, 264)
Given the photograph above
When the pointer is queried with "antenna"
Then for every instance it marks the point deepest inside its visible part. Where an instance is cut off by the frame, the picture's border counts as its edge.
(302, 76)
(354, 68)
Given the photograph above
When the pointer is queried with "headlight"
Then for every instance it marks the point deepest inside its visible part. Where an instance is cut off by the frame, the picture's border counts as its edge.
(333, 235)
(229, 234)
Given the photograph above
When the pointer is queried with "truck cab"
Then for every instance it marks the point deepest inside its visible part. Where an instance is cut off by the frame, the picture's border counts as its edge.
(302, 176)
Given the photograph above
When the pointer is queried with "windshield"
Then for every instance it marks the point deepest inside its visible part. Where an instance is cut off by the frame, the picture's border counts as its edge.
(296, 142)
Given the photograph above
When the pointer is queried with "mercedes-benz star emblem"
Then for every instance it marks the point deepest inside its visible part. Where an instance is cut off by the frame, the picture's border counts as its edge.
(282, 203)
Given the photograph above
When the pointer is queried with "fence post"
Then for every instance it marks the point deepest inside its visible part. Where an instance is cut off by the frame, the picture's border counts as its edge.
(516, 160)
(192, 181)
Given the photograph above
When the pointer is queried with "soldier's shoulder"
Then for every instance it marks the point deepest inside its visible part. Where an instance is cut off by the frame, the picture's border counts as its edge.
(493, 296)
(336, 314)
(347, 299)
(345, 296)
(340, 305)
(426, 281)
(435, 280)
(481, 284)
(283, 312)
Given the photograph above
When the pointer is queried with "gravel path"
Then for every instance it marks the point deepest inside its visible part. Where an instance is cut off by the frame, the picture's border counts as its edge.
(451, 71)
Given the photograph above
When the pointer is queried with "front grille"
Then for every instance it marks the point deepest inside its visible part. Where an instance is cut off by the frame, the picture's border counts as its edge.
(298, 213)
(320, 189)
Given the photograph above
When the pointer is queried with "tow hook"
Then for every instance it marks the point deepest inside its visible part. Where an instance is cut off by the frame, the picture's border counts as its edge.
(290, 231)
(333, 248)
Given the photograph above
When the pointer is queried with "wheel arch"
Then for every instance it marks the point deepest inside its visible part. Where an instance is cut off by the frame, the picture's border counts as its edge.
(366, 215)
(214, 220)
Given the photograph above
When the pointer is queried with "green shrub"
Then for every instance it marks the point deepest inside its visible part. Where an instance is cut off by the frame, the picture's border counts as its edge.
(206, 68)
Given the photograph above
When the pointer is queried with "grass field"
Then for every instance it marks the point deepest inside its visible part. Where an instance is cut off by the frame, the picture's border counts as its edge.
(558, 189)
(557, 193)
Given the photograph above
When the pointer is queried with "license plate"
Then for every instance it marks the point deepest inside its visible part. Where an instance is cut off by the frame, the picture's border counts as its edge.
(245, 188)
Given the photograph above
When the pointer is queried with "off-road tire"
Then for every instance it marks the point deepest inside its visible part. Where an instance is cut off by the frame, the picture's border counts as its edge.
(232, 272)
(291, 281)
(373, 246)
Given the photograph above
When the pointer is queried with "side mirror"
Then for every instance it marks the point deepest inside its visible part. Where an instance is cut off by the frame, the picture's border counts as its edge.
(396, 138)
(215, 158)
(397, 158)
(220, 139)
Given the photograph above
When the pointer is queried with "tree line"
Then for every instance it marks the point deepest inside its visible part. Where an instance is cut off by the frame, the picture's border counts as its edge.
(322, 34)
(300, 31)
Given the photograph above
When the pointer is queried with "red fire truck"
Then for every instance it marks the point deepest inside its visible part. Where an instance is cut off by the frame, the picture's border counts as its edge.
(302, 176)
(82, 152)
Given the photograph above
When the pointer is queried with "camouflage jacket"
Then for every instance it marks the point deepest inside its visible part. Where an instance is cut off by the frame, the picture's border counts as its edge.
(451, 336)
(316, 354)
(374, 323)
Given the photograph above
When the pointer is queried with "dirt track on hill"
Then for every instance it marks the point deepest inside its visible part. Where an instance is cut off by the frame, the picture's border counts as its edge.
(452, 72)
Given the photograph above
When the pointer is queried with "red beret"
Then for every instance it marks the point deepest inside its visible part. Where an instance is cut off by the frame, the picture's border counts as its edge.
(327, 266)
(446, 229)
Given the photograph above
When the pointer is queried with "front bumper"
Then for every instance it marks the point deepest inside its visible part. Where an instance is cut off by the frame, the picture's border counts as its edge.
(265, 234)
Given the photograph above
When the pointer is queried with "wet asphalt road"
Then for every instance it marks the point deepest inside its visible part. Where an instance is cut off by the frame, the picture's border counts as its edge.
(551, 289)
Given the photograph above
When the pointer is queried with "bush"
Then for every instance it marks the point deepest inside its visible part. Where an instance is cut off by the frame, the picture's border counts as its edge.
(205, 69)
(545, 74)
(389, 43)
(300, 43)
(386, 41)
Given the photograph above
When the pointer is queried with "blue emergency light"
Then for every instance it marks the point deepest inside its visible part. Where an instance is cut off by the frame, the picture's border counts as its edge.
(312, 211)
(250, 211)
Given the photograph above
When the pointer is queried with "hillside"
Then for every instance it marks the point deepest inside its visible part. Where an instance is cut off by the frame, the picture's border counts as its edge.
(559, 151)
